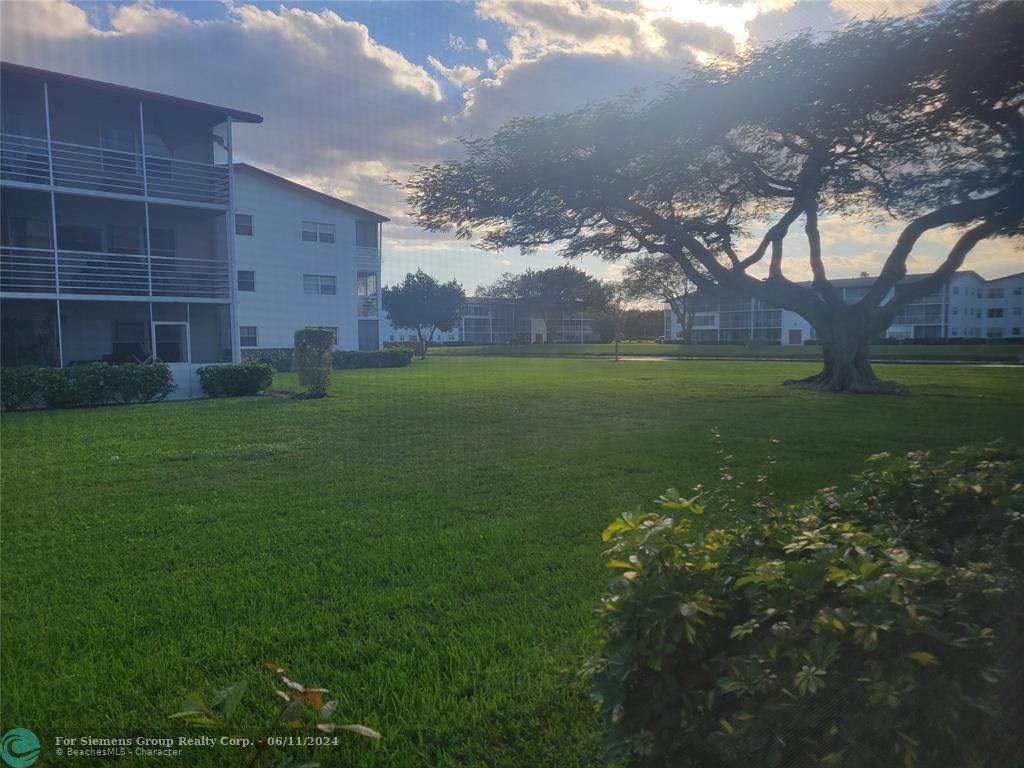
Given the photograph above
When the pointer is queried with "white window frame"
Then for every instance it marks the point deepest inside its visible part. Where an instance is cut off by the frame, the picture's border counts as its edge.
(242, 336)
(238, 279)
(251, 225)
(316, 285)
(318, 232)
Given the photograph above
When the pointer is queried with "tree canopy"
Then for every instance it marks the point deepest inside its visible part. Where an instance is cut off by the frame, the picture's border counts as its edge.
(422, 303)
(918, 119)
(659, 277)
(551, 292)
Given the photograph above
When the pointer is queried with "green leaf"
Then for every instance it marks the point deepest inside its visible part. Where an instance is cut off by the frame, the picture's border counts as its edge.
(924, 658)
(229, 697)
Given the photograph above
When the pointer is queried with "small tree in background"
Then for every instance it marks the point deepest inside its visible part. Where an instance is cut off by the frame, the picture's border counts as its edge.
(660, 278)
(313, 359)
(422, 303)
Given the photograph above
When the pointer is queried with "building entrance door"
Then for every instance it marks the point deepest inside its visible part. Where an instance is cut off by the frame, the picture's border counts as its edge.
(796, 336)
(171, 345)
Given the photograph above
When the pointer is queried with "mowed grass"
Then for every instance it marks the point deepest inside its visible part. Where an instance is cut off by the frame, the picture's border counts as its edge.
(425, 542)
(982, 353)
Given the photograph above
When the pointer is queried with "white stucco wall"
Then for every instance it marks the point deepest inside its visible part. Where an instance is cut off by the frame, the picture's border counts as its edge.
(280, 257)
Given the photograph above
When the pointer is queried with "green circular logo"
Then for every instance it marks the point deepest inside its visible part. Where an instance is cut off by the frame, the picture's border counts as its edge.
(19, 748)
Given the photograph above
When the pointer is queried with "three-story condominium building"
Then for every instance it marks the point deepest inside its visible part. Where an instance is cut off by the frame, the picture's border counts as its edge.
(304, 259)
(965, 306)
(115, 243)
(128, 233)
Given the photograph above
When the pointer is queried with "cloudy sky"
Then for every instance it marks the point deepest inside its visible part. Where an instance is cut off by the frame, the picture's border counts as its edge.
(353, 93)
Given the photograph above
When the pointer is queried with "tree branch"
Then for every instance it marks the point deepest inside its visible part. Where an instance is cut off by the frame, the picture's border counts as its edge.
(895, 268)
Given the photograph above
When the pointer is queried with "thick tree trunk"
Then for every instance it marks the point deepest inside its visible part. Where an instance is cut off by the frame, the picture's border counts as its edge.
(846, 344)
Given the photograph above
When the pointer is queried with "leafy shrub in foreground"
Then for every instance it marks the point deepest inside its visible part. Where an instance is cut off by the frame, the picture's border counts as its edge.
(796, 639)
(967, 507)
(79, 386)
(384, 358)
(236, 380)
(313, 359)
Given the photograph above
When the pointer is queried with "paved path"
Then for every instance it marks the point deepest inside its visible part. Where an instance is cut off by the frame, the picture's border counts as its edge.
(645, 358)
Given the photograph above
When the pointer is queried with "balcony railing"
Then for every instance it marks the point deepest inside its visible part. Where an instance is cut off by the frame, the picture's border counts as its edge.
(367, 306)
(87, 273)
(76, 166)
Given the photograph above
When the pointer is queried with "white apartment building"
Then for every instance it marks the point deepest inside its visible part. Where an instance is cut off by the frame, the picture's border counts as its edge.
(304, 259)
(967, 306)
(489, 320)
(118, 235)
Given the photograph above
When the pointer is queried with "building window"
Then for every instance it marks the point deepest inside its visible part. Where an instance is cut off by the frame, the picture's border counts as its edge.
(247, 335)
(366, 284)
(956, 311)
(317, 231)
(1016, 291)
(995, 311)
(246, 280)
(1016, 331)
(995, 293)
(326, 285)
(956, 291)
(995, 333)
(366, 234)
(243, 224)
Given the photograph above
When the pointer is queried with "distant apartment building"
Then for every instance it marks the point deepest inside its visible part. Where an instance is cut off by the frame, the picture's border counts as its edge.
(120, 214)
(490, 320)
(304, 259)
(966, 306)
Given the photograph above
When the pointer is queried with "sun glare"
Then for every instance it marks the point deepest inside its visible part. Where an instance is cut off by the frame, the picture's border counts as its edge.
(731, 17)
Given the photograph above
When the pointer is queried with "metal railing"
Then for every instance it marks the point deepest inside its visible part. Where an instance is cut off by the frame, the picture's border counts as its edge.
(76, 166)
(366, 307)
(89, 273)
(28, 270)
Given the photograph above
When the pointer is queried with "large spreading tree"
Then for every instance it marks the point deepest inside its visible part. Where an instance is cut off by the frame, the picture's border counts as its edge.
(919, 119)
(424, 304)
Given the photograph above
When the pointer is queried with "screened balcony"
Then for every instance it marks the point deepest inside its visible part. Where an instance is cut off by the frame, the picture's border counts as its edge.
(103, 248)
(110, 143)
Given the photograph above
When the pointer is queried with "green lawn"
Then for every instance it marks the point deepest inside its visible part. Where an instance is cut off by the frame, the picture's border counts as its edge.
(425, 542)
(991, 353)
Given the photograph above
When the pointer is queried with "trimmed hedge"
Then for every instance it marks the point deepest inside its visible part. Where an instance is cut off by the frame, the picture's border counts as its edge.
(281, 358)
(81, 386)
(248, 378)
(384, 358)
(877, 627)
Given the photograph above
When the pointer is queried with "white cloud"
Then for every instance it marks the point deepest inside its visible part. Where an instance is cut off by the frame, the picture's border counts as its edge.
(459, 75)
(865, 9)
(344, 112)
